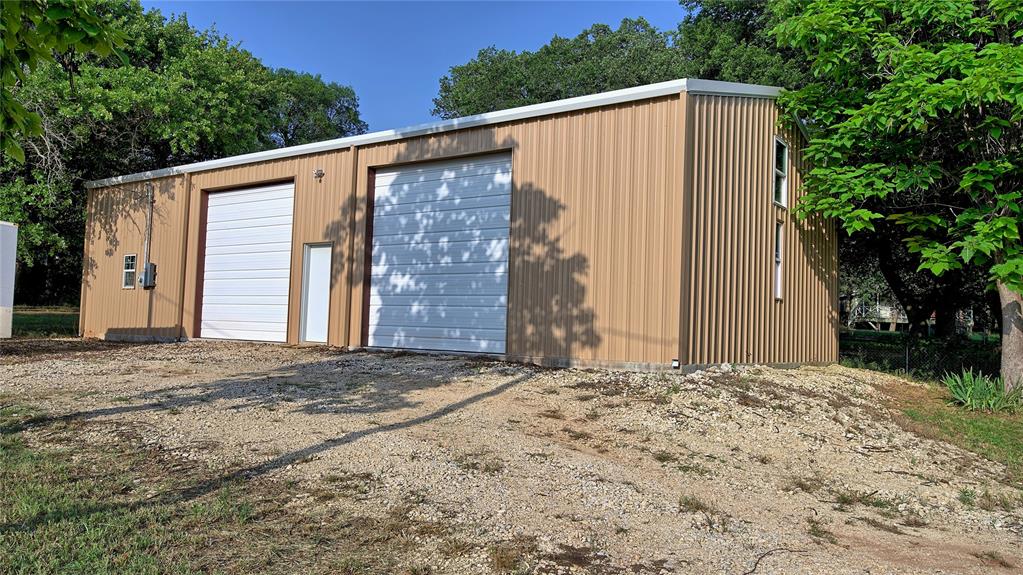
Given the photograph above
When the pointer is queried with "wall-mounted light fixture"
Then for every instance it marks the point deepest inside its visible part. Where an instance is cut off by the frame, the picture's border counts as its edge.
(318, 173)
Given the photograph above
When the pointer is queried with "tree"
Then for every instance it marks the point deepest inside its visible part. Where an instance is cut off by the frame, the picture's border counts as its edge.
(715, 40)
(916, 121)
(597, 60)
(182, 95)
(35, 32)
(312, 110)
(729, 40)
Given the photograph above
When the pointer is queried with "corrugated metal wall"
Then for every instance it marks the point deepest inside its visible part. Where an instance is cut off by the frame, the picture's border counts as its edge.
(608, 264)
(732, 313)
(595, 232)
(323, 212)
(115, 227)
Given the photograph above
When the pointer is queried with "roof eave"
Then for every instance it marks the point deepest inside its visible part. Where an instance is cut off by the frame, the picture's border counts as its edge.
(649, 91)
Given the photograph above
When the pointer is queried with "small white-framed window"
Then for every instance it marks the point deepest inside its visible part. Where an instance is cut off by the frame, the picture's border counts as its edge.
(779, 228)
(781, 172)
(128, 277)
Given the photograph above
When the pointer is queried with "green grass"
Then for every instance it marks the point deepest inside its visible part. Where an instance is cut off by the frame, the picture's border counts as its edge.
(82, 507)
(927, 411)
(44, 321)
(60, 516)
(996, 437)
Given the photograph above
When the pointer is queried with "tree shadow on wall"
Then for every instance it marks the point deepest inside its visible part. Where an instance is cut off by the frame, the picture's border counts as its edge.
(818, 241)
(462, 254)
(124, 206)
(547, 314)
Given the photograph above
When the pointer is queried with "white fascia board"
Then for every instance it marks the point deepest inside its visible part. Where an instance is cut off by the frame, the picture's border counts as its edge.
(548, 108)
(716, 88)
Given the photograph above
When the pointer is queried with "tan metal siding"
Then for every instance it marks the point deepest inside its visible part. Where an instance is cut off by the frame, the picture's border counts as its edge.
(323, 212)
(640, 232)
(595, 247)
(733, 314)
(116, 225)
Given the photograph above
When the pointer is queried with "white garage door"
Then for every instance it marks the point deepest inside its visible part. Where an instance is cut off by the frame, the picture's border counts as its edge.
(248, 264)
(440, 255)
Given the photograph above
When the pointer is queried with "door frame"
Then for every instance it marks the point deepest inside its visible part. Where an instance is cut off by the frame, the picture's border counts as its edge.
(200, 248)
(303, 306)
(367, 248)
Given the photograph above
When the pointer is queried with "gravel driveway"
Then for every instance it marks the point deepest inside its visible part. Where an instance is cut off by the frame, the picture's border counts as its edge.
(721, 471)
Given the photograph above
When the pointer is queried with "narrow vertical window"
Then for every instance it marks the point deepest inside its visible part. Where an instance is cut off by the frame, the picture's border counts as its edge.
(781, 172)
(777, 259)
(128, 280)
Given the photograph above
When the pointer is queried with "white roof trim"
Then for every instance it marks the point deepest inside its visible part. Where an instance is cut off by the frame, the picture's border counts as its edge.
(716, 88)
(548, 108)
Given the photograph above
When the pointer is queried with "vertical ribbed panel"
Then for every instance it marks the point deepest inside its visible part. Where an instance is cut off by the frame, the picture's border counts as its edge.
(734, 316)
(595, 233)
(116, 226)
(628, 222)
(323, 212)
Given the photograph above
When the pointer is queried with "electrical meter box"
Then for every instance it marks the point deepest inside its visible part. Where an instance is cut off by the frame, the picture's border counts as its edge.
(148, 279)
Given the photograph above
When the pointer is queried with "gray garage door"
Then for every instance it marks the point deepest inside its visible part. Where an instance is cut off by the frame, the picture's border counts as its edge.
(440, 255)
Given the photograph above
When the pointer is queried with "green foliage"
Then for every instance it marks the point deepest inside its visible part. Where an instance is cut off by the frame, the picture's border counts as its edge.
(729, 40)
(980, 392)
(916, 119)
(598, 59)
(180, 95)
(716, 40)
(39, 208)
(35, 32)
(312, 110)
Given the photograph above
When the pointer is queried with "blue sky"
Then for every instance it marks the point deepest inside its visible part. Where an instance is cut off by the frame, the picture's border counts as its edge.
(394, 53)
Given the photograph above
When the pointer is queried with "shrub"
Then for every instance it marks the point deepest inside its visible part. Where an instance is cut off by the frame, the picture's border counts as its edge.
(980, 392)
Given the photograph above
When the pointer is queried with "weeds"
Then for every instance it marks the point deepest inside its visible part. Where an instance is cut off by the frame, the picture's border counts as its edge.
(877, 524)
(914, 521)
(695, 468)
(716, 520)
(991, 501)
(455, 547)
(967, 497)
(804, 484)
(994, 558)
(554, 413)
(691, 504)
(664, 457)
(577, 434)
(815, 528)
(848, 498)
(979, 392)
(512, 555)
(480, 461)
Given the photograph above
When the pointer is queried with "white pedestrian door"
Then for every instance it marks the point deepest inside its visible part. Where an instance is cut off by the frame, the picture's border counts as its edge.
(247, 264)
(440, 255)
(316, 293)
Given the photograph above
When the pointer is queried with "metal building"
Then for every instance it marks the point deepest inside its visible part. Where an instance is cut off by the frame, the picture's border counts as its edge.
(643, 226)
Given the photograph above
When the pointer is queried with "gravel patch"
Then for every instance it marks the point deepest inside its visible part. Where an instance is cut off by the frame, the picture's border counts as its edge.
(569, 471)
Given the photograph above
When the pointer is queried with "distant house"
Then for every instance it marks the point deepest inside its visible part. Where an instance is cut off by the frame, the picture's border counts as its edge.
(872, 313)
(650, 226)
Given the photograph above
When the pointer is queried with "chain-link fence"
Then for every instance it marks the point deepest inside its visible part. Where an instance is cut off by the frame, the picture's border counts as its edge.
(921, 357)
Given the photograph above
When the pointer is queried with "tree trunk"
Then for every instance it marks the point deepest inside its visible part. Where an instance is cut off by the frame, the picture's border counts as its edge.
(1012, 336)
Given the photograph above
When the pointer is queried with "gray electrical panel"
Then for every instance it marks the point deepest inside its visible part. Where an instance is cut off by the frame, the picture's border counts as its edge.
(148, 278)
